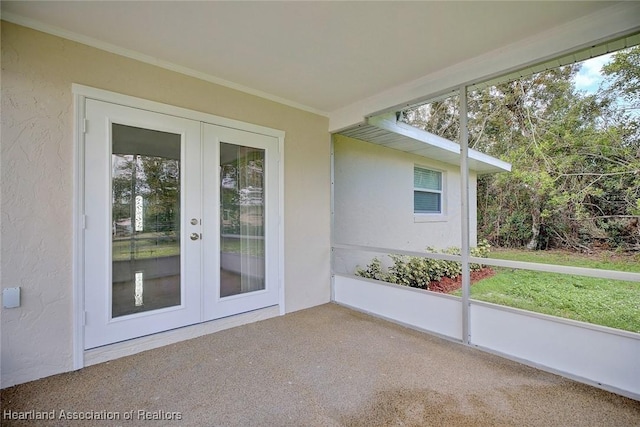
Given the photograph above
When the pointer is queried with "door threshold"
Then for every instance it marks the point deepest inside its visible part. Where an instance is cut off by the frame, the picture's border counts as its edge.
(149, 342)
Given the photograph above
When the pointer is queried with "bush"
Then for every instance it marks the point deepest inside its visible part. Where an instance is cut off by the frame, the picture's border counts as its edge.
(418, 272)
(373, 271)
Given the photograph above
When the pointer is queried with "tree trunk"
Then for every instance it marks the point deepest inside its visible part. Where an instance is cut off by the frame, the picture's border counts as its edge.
(535, 234)
(536, 216)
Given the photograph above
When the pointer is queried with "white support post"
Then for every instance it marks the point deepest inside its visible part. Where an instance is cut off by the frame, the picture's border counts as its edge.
(333, 220)
(79, 226)
(464, 214)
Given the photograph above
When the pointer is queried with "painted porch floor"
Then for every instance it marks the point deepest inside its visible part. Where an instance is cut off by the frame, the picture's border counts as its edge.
(325, 366)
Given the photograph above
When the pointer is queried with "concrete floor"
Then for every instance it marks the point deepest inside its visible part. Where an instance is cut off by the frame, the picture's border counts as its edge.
(325, 366)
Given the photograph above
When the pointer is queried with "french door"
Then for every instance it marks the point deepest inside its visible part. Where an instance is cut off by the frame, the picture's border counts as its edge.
(181, 222)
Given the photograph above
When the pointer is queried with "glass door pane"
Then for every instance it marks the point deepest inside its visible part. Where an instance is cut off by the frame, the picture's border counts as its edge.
(242, 219)
(145, 218)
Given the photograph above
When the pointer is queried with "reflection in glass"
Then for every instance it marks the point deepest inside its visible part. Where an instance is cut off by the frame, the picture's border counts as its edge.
(145, 252)
(241, 219)
(139, 290)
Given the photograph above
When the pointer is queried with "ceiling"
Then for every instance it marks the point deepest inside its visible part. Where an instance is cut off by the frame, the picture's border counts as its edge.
(320, 56)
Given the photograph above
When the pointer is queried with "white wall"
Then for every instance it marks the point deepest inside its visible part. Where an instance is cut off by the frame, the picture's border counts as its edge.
(373, 199)
(37, 184)
(428, 311)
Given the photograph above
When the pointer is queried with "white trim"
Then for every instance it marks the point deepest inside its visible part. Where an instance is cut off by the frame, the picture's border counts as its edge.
(132, 54)
(419, 218)
(440, 149)
(158, 107)
(612, 22)
(281, 223)
(434, 216)
(78, 233)
(332, 223)
(443, 215)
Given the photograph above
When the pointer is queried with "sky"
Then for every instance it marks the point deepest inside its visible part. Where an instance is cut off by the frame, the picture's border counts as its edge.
(590, 76)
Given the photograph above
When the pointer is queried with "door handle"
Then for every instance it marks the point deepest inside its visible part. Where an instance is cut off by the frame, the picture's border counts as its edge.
(194, 236)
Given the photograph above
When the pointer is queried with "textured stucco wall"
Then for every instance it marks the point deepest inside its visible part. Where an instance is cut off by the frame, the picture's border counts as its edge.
(374, 200)
(37, 184)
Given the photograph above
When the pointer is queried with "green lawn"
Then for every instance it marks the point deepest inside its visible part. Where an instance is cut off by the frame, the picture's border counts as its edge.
(147, 245)
(156, 245)
(604, 302)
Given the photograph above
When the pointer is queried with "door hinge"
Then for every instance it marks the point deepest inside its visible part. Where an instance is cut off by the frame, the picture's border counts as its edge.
(83, 222)
(84, 318)
(85, 125)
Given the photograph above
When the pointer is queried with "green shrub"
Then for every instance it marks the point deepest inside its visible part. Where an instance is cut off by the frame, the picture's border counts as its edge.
(372, 271)
(418, 272)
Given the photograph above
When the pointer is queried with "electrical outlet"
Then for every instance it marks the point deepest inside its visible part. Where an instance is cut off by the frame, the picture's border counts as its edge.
(11, 297)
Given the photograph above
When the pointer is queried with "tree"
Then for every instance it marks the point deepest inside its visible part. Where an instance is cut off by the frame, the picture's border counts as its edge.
(624, 75)
(161, 190)
(575, 157)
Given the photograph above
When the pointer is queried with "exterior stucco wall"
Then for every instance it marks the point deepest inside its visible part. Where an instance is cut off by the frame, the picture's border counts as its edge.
(373, 200)
(37, 184)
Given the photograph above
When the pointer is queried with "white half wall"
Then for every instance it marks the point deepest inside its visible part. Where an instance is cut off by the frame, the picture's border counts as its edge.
(604, 358)
(416, 308)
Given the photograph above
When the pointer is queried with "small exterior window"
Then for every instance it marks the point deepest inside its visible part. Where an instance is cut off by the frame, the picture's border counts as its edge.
(427, 191)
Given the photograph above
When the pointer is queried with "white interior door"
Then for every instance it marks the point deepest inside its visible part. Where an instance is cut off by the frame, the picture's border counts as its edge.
(181, 222)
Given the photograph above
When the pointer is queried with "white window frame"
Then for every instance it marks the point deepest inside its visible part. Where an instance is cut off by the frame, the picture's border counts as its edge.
(431, 216)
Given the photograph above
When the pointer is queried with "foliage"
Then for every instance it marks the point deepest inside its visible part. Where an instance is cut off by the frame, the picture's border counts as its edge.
(624, 74)
(575, 181)
(372, 271)
(157, 180)
(241, 191)
(419, 272)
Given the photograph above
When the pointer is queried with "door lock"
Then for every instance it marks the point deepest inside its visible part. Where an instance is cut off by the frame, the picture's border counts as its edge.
(194, 236)
(194, 221)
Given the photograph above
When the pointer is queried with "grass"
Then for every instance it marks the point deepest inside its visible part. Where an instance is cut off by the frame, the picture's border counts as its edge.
(611, 303)
(147, 245)
(234, 245)
(150, 245)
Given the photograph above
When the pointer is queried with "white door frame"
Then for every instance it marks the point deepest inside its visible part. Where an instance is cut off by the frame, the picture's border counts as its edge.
(81, 93)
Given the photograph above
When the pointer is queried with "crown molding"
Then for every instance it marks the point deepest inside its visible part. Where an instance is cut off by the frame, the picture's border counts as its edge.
(132, 54)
